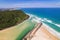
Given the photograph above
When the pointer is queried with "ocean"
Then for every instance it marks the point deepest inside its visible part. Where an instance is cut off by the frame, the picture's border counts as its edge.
(50, 16)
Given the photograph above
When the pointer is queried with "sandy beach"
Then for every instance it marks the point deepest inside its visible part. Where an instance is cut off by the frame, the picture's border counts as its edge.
(16, 32)
(43, 34)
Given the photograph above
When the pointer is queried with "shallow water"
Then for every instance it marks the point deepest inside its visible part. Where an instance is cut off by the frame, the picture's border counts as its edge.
(47, 14)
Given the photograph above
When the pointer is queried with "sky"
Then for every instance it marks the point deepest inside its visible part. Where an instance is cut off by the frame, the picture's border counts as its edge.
(30, 3)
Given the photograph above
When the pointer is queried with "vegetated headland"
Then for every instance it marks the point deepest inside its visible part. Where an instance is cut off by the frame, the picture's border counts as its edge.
(11, 17)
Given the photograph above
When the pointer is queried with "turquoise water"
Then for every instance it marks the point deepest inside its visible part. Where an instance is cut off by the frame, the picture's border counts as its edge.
(52, 14)
(53, 26)
(29, 27)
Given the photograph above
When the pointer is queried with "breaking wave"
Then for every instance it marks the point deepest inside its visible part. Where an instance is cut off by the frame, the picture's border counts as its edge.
(51, 30)
(38, 19)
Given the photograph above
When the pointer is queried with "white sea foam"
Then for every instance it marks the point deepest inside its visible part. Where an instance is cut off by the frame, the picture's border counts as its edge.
(51, 30)
(57, 25)
(42, 19)
(35, 18)
(47, 20)
(50, 21)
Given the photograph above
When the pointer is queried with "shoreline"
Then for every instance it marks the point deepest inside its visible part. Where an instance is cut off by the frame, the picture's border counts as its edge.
(43, 34)
(44, 19)
(52, 31)
(31, 34)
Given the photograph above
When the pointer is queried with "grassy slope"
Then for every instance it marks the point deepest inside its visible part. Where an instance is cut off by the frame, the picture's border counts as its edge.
(17, 32)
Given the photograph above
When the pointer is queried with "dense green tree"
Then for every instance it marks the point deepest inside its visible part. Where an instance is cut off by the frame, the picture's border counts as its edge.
(10, 18)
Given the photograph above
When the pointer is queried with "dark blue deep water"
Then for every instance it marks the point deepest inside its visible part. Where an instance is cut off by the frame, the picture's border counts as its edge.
(49, 13)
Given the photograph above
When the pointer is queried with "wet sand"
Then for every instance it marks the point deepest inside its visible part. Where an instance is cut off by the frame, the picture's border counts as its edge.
(43, 34)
